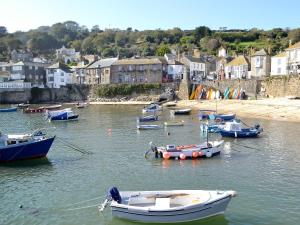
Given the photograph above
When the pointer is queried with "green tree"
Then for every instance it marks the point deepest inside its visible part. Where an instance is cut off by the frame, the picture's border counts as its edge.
(162, 50)
(294, 35)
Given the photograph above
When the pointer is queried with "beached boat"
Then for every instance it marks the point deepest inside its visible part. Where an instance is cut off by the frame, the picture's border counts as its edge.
(180, 111)
(222, 117)
(234, 129)
(170, 104)
(174, 123)
(173, 206)
(204, 113)
(15, 147)
(203, 150)
(148, 127)
(11, 109)
(148, 118)
(212, 128)
(152, 108)
(62, 115)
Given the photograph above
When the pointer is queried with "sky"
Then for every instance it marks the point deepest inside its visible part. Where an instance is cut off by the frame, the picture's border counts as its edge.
(24, 15)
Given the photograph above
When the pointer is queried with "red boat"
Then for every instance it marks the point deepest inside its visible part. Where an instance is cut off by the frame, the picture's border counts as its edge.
(41, 109)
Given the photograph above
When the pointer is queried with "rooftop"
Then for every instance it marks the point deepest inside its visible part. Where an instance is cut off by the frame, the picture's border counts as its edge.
(261, 52)
(294, 46)
(102, 63)
(282, 54)
(240, 60)
(59, 66)
(138, 61)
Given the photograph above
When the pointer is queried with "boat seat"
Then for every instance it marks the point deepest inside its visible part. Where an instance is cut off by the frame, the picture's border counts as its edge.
(162, 203)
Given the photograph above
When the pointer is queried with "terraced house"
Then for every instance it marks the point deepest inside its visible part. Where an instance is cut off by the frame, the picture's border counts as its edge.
(237, 68)
(293, 58)
(146, 70)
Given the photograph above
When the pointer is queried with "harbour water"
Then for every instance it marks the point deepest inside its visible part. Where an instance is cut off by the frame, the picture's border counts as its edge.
(265, 171)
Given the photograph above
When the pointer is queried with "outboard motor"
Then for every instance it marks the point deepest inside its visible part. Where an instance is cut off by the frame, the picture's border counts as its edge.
(257, 126)
(115, 194)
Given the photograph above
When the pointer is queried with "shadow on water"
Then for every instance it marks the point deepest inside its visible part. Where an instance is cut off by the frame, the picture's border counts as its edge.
(28, 163)
(216, 220)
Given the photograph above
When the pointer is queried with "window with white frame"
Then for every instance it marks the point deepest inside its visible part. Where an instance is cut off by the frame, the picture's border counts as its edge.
(278, 70)
(279, 61)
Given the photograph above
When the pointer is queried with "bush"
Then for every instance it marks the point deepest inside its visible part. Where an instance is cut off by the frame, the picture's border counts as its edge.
(112, 90)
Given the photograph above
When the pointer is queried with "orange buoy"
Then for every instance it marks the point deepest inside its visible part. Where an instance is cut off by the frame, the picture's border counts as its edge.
(199, 154)
(182, 156)
(166, 155)
(195, 154)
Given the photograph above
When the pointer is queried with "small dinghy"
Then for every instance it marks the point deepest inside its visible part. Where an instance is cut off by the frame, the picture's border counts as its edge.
(170, 104)
(148, 127)
(174, 123)
(52, 107)
(181, 111)
(173, 206)
(222, 117)
(11, 109)
(148, 118)
(15, 147)
(82, 105)
(152, 108)
(203, 150)
(204, 113)
(212, 128)
(62, 115)
(23, 105)
(34, 110)
(234, 129)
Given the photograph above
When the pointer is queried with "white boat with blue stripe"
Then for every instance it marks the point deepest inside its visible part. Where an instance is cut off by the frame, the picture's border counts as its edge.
(174, 206)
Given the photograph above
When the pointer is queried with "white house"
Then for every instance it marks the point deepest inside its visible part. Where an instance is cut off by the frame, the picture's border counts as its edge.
(279, 64)
(67, 55)
(260, 64)
(237, 68)
(222, 52)
(197, 68)
(58, 75)
(175, 68)
(293, 58)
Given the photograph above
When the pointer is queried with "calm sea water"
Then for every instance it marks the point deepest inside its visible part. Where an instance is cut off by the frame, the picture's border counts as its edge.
(265, 171)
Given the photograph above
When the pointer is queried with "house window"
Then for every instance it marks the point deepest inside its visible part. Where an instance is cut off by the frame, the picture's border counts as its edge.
(278, 61)
(62, 74)
(278, 70)
(17, 68)
(50, 79)
(62, 80)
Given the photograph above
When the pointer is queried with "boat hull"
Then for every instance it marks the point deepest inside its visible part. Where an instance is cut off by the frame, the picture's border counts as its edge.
(177, 216)
(13, 109)
(64, 117)
(239, 134)
(25, 151)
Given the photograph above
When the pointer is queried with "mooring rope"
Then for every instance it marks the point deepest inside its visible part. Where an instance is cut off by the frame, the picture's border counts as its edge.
(74, 147)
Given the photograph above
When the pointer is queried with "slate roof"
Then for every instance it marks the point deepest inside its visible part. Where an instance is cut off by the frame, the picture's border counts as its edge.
(102, 63)
(282, 54)
(194, 59)
(138, 61)
(60, 66)
(261, 52)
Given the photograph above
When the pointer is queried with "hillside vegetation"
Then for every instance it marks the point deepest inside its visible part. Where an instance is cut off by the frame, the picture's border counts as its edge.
(127, 43)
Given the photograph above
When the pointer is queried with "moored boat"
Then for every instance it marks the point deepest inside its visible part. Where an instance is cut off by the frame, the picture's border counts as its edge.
(148, 118)
(174, 123)
(222, 117)
(212, 128)
(34, 110)
(152, 108)
(11, 109)
(81, 105)
(234, 129)
(204, 113)
(52, 107)
(181, 111)
(203, 150)
(62, 115)
(148, 127)
(173, 206)
(15, 147)
(23, 105)
(170, 104)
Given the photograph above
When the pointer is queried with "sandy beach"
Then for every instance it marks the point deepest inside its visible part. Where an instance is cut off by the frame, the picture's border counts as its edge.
(282, 109)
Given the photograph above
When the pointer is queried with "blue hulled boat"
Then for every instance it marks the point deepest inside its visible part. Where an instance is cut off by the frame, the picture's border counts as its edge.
(234, 129)
(62, 115)
(152, 108)
(148, 118)
(15, 147)
(222, 117)
(11, 109)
